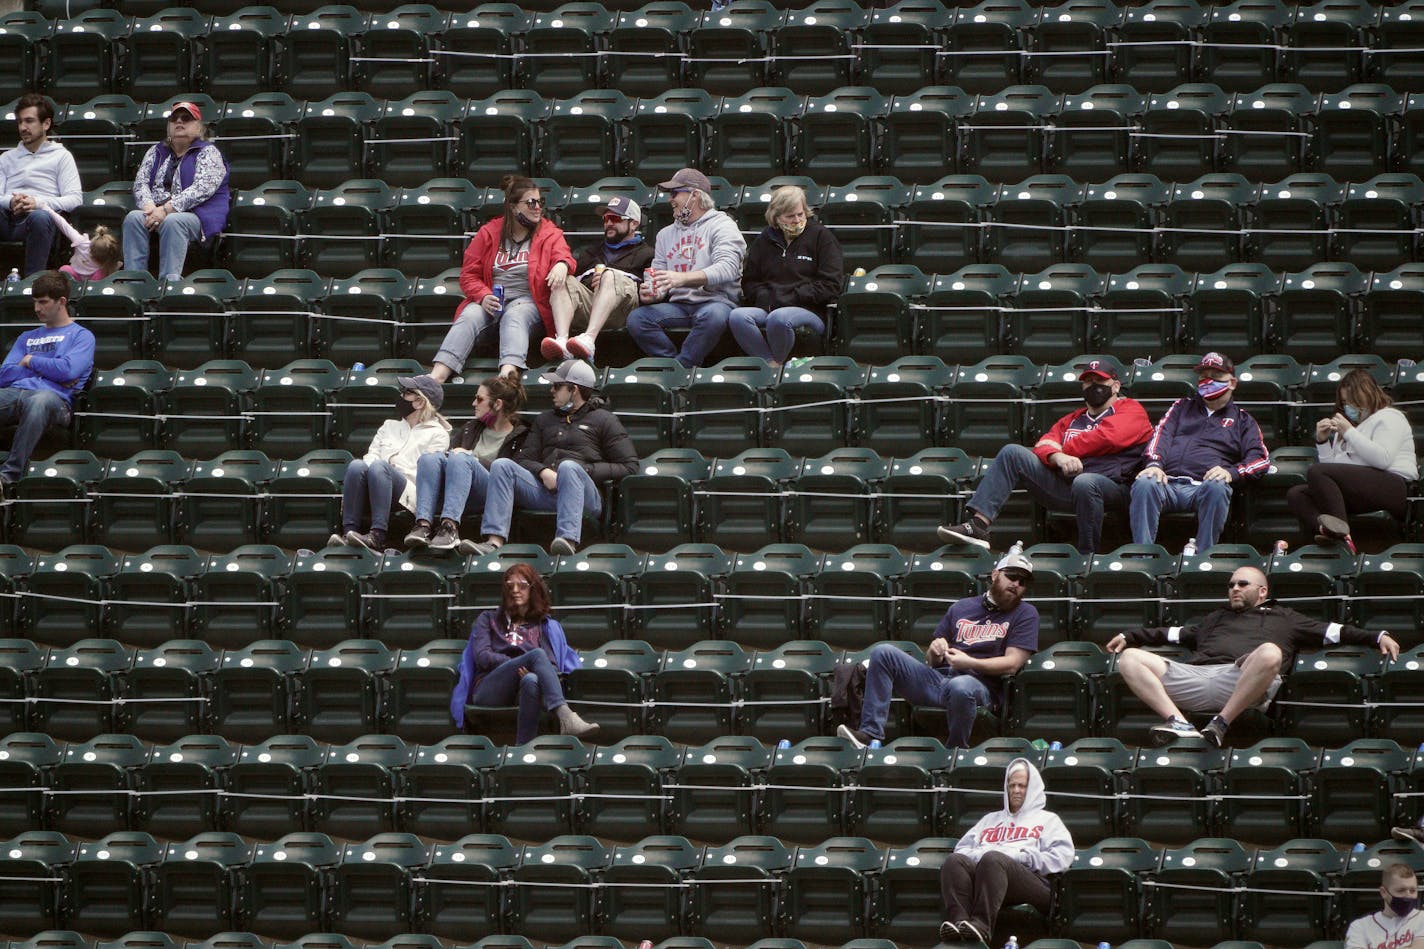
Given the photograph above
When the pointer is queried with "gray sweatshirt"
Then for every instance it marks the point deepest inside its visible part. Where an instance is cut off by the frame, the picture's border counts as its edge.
(1385, 440)
(49, 175)
(712, 244)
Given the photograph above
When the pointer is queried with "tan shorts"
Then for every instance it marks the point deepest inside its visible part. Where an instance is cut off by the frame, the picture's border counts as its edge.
(625, 297)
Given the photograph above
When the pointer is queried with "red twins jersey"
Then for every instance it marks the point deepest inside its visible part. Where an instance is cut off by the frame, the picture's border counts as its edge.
(1109, 444)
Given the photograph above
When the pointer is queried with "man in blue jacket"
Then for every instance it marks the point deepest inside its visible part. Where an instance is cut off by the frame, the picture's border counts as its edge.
(1201, 448)
(43, 370)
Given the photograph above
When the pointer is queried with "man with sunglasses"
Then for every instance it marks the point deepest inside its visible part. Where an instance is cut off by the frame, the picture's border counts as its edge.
(1240, 652)
(980, 640)
(606, 288)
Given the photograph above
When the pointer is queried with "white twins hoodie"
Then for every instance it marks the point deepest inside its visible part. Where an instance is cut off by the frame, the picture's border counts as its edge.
(1034, 837)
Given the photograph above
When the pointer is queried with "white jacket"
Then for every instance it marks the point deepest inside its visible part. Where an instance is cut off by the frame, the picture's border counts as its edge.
(1385, 440)
(401, 445)
(1035, 837)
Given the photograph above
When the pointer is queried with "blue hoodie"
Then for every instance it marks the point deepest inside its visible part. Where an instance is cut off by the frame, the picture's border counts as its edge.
(487, 639)
(62, 360)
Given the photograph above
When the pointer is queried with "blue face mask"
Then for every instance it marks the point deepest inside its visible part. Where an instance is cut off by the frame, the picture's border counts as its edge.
(1354, 414)
(1211, 388)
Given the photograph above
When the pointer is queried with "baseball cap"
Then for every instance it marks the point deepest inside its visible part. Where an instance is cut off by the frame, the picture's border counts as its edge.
(687, 178)
(1217, 361)
(575, 371)
(1015, 559)
(426, 386)
(1100, 368)
(624, 206)
(188, 107)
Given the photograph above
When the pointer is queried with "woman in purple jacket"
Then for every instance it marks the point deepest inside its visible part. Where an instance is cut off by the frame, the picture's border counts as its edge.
(515, 655)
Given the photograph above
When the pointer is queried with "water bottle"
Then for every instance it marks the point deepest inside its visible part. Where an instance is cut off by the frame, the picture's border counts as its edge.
(1191, 549)
(1055, 746)
(499, 295)
(14, 275)
(1104, 945)
(1281, 548)
(1358, 848)
(1013, 943)
(358, 367)
(646, 944)
(783, 745)
(874, 743)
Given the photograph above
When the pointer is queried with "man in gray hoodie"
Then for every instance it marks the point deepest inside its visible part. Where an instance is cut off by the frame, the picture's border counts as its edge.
(36, 175)
(696, 274)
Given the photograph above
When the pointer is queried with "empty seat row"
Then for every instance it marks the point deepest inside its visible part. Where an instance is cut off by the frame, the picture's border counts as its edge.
(1270, 792)
(1265, 134)
(494, 46)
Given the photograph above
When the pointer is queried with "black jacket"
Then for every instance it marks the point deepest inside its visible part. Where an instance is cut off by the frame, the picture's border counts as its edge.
(807, 273)
(469, 437)
(590, 435)
(1225, 635)
(633, 260)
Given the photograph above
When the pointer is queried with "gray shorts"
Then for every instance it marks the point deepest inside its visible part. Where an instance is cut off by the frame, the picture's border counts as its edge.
(1206, 688)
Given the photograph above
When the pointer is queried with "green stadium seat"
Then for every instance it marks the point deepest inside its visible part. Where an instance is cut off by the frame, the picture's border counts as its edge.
(807, 794)
(1352, 791)
(21, 44)
(281, 893)
(561, 49)
(413, 139)
(668, 131)
(592, 585)
(1169, 791)
(694, 695)
(1028, 223)
(837, 132)
(1195, 212)
(581, 136)
(1270, 901)
(1178, 140)
(407, 602)
(453, 910)
(372, 887)
(641, 893)
(712, 794)
(329, 147)
(851, 600)
(896, 800)
(624, 787)
(1396, 691)
(288, 412)
(786, 691)
(1387, 590)
(49, 506)
(96, 132)
(177, 788)
(22, 660)
(205, 408)
(235, 596)
(986, 403)
(1326, 44)
(1192, 898)
(1048, 314)
(734, 892)
(354, 787)
(809, 411)
(92, 780)
(361, 316)
(897, 408)
(32, 874)
(1082, 780)
(107, 883)
(120, 299)
(972, 39)
(1100, 894)
(314, 54)
(1241, 43)
(1290, 229)
(811, 49)
(656, 508)
(81, 58)
(740, 504)
(193, 884)
(1068, 49)
(190, 318)
(1387, 204)
(427, 228)
(920, 130)
(395, 51)
(1263, 787)
(1266, 387)
(444, 787)
(1090, 138)
(1156, 53)
(649, 390)
(1116, 221)
(673, 600)
(149, 593)
(430, 309)
(342, 228)
(1338, 679)
(476, 57)
(749, 138)
(158, 55)
(1003, 138)
(1139, 311)
(830, 889)
(237, 57)
(962, 317)
(322, 595)
(416, 700)
(337, 696)
(762, 602)
(1226, 310)
(1352, 131)
(1266, 131)
(728, 48)
(532, 787)
(1313, 579)
(176, 670)
(262, 237)
(1054, 694)
(875, 318)
(646, 48)
(554, 898)
(898, 45)
(253, 690)
(1314, 312)
(64, 938)
(221, 504)
(1268, 517)
(74, 688)
(61, 598)
(267, 787)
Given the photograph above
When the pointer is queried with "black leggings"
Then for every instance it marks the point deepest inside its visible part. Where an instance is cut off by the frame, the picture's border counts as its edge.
(1342, 490)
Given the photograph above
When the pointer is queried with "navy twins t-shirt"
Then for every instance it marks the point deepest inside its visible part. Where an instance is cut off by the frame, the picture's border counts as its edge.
(984, 633)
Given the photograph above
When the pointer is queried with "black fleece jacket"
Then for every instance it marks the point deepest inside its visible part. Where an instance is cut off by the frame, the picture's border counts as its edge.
(806, 273)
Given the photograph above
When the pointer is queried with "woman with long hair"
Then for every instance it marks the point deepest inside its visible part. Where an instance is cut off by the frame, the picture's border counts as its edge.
(455, 481)
(510, 267)
(1367, 460)
(515, 655)
(387, 470)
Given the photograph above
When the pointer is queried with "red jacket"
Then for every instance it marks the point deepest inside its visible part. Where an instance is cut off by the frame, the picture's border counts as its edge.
(1110, 446)
(546, 249)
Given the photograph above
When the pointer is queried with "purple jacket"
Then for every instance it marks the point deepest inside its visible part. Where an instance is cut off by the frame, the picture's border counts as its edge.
(212, 213)
(488, 647)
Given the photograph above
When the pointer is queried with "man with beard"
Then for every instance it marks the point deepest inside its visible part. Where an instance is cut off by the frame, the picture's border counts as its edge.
(1082, 465)
(36, 175)
(606, 288)
(1240, 652)
(980, 640)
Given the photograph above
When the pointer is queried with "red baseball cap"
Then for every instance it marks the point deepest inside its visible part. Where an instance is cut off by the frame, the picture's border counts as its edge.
(188, 107)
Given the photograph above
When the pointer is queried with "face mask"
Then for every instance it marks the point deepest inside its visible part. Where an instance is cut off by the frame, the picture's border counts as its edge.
(1402, 905)
(519, 216)
(1097, 394)
(488, 419)
(403, 407)
(684, 214)
(1211, 388)
(793, 231)
(564, 408)
(1354, 414)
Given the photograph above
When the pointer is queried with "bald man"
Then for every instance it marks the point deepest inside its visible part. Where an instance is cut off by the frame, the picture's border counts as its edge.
(1239, 654)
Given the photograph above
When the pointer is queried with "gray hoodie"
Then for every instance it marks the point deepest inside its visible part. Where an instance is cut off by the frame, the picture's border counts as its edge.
(1034, 837)
(711, 244)
(48, 174)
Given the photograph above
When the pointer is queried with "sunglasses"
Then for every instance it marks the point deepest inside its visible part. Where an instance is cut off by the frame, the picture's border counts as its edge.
(1238, 584)
(516, 584)
(613, 218)
(534, 202)
(1017, 576)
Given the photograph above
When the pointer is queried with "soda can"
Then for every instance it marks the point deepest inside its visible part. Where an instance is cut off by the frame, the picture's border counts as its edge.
(499, 295)
(1055, 746)
(1359, 848)
(1281, 548)
(358, 367)
(783, 744)
(646, 944)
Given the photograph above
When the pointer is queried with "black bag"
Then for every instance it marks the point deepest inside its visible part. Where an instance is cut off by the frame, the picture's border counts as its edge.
(847, 694)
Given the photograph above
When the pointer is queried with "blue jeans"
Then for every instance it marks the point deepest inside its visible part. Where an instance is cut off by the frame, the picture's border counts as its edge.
(648, 325)
(1150, 500)
(510, 483)
(781, 324)
(174, 235)
(37, 229)
(536, 692)
(1087, 495)
(379, 483)
(960, 694)
(516, 327)
(31, 411)
(458, 481)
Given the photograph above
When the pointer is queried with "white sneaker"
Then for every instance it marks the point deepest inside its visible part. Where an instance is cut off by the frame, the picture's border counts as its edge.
(581, 347)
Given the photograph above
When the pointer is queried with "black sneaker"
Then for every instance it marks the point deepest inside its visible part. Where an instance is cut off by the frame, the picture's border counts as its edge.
(446, 538)
(562, 545)
(1215, 731)
(971, 931)
(949, 932)
(971, 531)
(855, 736)
(419, 536)
(338, 540)
(369, 540)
